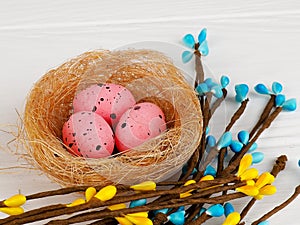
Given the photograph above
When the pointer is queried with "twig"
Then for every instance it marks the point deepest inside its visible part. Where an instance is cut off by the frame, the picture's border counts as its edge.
(237, 114)
(279, 207)
(266, 112)
(172, 204)
(199, 69)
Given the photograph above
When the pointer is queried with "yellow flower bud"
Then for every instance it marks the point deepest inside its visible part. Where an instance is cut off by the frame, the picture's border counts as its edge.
(245, 163)
(207, 177)
(144, 186)
(264, 179)
(15, 201)
(250, 182)
(189, 182)
(117, 207)
(138, 214)
(106, 193)
(12, 211)
(139, 220)
(90, 193)
(267, 190)
(232, 219)
(249, 174)
(123, 221)
(77, 202)
(186, 194)
(248, 190)
(259, 197)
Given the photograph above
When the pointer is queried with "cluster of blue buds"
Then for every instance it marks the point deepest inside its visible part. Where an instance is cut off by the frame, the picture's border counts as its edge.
(224, 141)
(280, 100)
(210, 86)
(243, 139)
(213, 147)
(200, 48)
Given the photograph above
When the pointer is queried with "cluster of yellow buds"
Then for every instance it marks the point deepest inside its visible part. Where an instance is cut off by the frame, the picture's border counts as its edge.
(140, 218)
(108, 192)
(105, 194)
(189, 182)
(257, 185)
(12, 205)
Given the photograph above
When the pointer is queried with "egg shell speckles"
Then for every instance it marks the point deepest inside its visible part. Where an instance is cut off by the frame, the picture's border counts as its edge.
(108, 100)
(88, 135)
(138, 124)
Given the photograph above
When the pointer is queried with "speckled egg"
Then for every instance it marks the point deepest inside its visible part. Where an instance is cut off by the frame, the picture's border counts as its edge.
(138, 124)
(88, 135)
(108, 100)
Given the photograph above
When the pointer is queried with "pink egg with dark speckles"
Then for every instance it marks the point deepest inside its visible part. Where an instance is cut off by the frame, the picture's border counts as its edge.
(108, 100)
(138, 124)
(87, 134)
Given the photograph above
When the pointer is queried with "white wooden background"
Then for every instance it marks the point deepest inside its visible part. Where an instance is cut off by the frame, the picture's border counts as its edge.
(251, 41)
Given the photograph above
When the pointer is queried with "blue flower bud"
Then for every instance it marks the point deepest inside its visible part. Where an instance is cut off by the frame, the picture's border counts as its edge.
(202, 35)
(203, 49)
(177, 218)
(276, 88)
(253, 147)
(138, 202)
(164, 211)
(264, 223)
(224, 81)
(279, 100)
(202, 88)
(210, 171)
(186, 56)
(236, 146)
(241, 92)
(290, 105)
(189, 41)
(217, 91)
(225, 140)
(261, 89)
(257, 157)
(228, 208)
(209, 82)
(210, 141)
(216, 210)
(243, 136)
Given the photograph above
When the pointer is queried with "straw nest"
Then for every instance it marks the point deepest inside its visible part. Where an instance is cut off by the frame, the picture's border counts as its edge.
(150, 76)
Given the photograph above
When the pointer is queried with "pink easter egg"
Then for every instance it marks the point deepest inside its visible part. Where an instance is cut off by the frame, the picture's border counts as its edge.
(88, 135)
(108, 100)
(138, 124)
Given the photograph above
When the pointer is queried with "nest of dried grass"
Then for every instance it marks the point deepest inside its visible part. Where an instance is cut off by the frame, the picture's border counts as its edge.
(150, 76)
